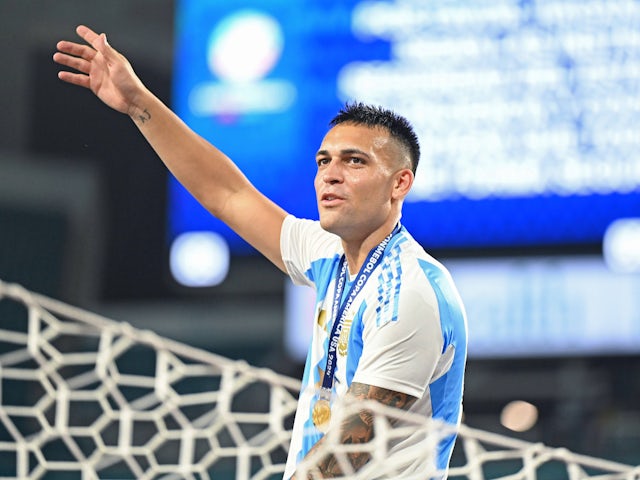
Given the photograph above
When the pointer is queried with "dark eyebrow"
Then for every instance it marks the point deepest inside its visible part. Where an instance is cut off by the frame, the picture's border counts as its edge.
(347, 151)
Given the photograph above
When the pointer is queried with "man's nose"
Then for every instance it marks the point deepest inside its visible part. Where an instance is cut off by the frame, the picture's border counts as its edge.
(332, 173)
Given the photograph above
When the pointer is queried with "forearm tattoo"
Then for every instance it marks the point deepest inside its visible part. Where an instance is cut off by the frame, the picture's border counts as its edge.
(144, 116)
(358, 428)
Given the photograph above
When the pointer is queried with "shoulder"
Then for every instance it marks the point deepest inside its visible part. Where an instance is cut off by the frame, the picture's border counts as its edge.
(297, 229)
(422, 282)
(306, 246)
(418, 264)
(408, 263)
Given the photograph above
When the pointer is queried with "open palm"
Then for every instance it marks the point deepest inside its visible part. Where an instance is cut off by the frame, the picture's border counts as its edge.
(102, 69)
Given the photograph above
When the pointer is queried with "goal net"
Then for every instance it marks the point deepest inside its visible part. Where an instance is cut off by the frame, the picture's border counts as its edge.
(84, 397)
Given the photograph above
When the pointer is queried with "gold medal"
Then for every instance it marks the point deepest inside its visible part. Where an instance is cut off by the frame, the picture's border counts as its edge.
(321, 414)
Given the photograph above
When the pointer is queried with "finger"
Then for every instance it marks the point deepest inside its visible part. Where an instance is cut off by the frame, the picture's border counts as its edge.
(72, 62)
(87, 34)
(107, 51)
(98, 42)
(75, 79)
(75, 49)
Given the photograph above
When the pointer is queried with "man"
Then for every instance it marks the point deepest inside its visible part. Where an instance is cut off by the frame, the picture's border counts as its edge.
(389, 323)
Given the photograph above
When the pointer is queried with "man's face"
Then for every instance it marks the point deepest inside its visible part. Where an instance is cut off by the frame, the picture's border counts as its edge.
(357, 170)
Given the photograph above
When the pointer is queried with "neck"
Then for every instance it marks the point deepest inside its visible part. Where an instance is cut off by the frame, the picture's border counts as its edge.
(356, 252)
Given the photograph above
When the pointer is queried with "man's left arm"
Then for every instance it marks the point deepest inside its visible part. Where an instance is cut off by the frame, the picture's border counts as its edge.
(358, 428)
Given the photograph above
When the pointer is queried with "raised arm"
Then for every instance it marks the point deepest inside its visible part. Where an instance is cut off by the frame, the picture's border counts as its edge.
(211, 177)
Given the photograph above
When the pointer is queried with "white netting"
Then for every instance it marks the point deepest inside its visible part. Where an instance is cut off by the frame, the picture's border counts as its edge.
(85, 397)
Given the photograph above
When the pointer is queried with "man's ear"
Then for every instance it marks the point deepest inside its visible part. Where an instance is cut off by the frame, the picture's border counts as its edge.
(403, 182)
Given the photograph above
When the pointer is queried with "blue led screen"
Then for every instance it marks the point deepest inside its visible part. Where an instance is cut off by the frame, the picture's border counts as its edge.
(527, 111)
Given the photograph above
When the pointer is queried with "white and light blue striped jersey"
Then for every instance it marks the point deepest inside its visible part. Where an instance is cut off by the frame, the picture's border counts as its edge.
(406, 331)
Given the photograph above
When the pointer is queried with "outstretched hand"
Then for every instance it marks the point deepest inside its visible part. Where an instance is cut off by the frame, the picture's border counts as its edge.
(102, 69)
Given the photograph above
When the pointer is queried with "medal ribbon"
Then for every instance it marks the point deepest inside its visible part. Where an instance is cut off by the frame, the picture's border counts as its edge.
(340, 310)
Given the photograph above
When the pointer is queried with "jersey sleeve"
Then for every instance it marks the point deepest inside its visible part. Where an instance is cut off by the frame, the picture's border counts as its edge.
(303, 242)
(404, 354)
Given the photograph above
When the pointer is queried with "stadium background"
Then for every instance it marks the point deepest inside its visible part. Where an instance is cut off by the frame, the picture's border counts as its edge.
(83, 205)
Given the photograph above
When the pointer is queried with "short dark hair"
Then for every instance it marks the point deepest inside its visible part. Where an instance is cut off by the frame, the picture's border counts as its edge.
(398, 126)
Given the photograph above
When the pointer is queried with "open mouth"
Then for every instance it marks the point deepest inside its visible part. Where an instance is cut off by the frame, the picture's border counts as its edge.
(330, 198)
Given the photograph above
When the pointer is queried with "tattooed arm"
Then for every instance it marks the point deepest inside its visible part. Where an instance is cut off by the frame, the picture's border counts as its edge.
(359, 428)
